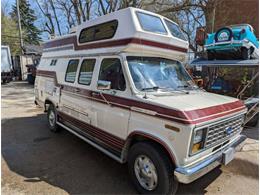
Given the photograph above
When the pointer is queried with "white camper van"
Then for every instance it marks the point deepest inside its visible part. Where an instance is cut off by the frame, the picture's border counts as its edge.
(118, 83)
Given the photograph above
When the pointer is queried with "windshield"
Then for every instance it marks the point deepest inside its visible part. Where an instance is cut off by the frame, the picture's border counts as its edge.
(153, 73)
(239, 26)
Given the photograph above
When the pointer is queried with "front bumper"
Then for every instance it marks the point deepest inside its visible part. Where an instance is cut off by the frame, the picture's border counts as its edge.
(227, 45)
(189, 174)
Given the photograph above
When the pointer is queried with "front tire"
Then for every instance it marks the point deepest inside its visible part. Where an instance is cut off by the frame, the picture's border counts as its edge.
(150, 170)
(211, 55)
(52, 118)
(245, 53)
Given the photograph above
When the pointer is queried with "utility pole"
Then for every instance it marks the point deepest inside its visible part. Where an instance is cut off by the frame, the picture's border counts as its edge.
(213, 16)
(20, 34)
(19, 24)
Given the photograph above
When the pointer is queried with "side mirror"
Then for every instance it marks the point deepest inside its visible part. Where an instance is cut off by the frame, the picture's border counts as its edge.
(103, 85)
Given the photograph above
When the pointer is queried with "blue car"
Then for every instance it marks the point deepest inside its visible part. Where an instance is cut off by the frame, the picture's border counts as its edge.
(232, 42)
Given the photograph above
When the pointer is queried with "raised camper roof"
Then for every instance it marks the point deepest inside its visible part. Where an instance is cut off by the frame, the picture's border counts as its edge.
(127, 30)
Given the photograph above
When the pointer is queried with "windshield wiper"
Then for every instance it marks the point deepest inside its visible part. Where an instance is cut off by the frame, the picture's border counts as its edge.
(182, 86)
(150, 88)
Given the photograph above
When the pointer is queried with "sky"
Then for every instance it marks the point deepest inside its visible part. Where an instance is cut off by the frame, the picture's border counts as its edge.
(40, 21)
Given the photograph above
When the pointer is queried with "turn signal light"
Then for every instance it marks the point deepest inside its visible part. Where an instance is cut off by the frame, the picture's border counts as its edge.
(196, 147)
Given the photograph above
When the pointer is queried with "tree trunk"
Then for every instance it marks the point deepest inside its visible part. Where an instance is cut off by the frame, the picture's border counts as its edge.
(55, 16)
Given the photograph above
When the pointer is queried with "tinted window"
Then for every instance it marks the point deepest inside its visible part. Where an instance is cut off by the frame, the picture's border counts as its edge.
(111, 70)
(71, 71)
(86, 71)
(98, 32)
(151, 23)
(175, 30)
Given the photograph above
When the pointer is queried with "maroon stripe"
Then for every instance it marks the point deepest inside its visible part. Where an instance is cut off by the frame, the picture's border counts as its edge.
(198, 113)
(60, 42)
(102, 135)
(113, 43)
(193, 115)
(132, 134)
(184, 117)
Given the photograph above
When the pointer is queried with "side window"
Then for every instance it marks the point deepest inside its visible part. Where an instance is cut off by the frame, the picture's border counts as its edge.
(111, 70)
(98, 32)
(86, 71)
(71, 71)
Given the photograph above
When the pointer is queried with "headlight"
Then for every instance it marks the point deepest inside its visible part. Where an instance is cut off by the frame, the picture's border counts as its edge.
(198, 136)
(198, 139)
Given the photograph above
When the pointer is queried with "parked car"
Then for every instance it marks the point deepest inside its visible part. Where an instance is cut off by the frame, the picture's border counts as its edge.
(232, 42)
(6, 65)
(118, 83)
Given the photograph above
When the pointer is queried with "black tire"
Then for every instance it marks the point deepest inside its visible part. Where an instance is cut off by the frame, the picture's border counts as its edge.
(245, 53)
(253, 122)
(52, 123)
(166, 184)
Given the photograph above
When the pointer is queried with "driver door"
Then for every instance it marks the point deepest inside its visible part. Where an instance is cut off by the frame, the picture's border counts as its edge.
(111, 117)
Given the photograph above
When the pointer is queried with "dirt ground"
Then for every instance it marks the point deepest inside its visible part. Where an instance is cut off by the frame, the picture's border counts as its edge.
(36, 161)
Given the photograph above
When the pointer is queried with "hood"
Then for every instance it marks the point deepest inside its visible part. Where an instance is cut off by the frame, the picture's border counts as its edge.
(196, 107)
(191, 101)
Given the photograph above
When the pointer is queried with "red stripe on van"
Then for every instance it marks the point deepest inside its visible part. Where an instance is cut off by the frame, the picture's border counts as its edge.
(109, 139)
(121, 42)
(185, 117)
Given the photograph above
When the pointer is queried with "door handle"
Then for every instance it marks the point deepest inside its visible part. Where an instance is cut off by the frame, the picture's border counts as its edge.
(95, 94)
(77, 90)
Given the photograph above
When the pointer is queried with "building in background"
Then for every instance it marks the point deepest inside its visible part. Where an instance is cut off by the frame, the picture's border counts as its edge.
(31, 57)
(230, 12)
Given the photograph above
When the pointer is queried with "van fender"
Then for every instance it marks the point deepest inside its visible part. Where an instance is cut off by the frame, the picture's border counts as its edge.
(151, 137)
(49, 101)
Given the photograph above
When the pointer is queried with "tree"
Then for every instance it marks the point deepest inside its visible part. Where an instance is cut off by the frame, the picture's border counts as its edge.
(31, 34)
(10, 34)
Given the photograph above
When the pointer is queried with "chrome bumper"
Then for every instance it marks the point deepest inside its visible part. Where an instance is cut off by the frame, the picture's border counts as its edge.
(189, 174)
(227, 42)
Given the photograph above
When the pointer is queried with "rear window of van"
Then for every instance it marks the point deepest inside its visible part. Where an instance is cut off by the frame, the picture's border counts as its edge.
(98, 32)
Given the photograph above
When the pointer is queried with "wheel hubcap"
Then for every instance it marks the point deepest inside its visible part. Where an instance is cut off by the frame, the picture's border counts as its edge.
(145, 172)
(52, 118)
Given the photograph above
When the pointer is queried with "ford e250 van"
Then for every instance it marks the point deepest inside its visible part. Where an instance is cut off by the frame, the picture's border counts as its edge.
(118, 83)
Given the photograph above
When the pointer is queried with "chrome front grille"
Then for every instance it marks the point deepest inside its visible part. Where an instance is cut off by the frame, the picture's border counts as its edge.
(221, 131)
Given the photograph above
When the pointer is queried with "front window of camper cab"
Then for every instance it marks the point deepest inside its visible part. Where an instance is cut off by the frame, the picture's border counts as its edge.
(151, 23)
(154, 73)
(175, 30)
